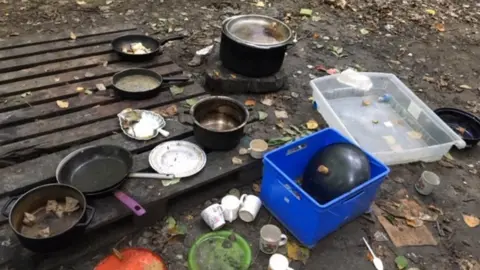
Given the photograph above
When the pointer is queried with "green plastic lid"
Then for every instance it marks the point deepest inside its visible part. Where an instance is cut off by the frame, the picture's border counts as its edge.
(222, 250)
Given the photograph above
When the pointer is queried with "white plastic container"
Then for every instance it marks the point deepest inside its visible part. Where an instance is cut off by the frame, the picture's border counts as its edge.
(402, 130)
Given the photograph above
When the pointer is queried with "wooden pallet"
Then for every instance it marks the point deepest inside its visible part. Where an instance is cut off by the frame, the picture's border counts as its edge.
(35, 134)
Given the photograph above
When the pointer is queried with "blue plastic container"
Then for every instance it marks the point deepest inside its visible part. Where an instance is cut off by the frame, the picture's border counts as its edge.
(302, 215)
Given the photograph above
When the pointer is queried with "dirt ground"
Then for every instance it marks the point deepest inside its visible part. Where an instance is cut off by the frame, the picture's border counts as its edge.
(431, 45)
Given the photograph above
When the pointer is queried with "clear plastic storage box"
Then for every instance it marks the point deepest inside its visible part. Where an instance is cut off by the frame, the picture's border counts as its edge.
(401, 129)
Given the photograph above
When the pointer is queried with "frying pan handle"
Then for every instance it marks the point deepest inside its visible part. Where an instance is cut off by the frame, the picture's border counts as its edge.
(90, 212)
(176, 79)
(6, 206)
(152, 176)
(170, 38)
(136, 208)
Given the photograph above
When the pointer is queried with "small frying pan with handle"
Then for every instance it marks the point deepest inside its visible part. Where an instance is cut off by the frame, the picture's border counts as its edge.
(100, 170)
(148, 42)
(141, 78)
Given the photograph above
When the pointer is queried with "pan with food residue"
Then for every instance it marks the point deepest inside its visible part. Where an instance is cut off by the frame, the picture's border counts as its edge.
(140, 47)
(140, 83)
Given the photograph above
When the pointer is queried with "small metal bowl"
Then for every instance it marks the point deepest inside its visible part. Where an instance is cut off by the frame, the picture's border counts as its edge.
(157, 121)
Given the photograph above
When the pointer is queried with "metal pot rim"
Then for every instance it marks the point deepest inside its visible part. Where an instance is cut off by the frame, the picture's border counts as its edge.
(236, 102)
(283, 43)
(36, 189)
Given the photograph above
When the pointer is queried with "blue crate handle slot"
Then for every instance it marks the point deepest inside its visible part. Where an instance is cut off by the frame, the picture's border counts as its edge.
(292, 189)
(354, 196)
(296, 148)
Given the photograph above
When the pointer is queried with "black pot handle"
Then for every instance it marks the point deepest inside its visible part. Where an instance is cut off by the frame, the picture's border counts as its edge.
(89, 216)
(170, 38)
(6, 206)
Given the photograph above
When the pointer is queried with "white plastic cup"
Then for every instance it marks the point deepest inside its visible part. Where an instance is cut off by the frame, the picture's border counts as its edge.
(278, 262)
(230, 206)
(250, 207)
(427, 183)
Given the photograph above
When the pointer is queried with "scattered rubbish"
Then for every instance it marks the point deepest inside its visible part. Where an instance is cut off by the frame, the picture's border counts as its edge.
(332, 71)
(306, 12)
(316, 18)
(380, 236)
(281, 114)
(176, 90)
(242, 151)
(440, 27)
(401, 262)
(297, 252)
(337, 51)
(80, 89)
(294, 94)
(26, 94)
(471, 221)
(262, 115)
(464, 86)
(62, 104)
(267, 101)
(271, 238)
(200, 56)
(385, 98)
(312, 124)
(73, 36)
(355, 79)
(260, 4)
(427, 182)
(88, 92)
(237, 161)
(100, 87)
(250, 102)
(364, 31)
(377, 262)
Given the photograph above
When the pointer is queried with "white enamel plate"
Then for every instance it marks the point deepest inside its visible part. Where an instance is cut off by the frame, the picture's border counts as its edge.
(180, 158)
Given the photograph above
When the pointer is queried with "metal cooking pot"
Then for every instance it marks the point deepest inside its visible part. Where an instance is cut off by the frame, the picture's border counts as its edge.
(254, 45)
(64, 233)
(218, 122)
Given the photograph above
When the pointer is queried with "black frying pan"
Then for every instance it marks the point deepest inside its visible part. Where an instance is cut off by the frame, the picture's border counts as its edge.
(140, 83)
(100, 170)
(151, 43)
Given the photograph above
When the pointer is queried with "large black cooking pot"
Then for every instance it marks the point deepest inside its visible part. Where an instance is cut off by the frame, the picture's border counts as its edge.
(254, 45)
(62, 235)
(219, 122)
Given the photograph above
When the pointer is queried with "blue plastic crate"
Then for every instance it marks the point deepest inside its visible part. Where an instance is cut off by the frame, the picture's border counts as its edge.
(302, 215)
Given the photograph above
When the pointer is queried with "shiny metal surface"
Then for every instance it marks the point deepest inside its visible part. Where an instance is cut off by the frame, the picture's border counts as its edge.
(220, 114)
(257, 31)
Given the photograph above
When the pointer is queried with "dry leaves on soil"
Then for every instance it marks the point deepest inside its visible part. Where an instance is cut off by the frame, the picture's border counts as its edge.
(440, 27)
(296, 252)
(62, 104)
(250, 102)
(471, 221)
(312, 124)
(73, 36)
(169, 111)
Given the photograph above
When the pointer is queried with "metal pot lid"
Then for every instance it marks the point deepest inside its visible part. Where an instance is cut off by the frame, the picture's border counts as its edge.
(257, 30)
(180, 158)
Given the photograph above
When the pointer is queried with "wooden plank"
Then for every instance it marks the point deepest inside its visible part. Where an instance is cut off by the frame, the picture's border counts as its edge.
(75, 76)
(21, 177)
(61, 45)
(35, 60)
(34, 147)
(21, 41)
(58, 67)
(76, 103)
(55, 124)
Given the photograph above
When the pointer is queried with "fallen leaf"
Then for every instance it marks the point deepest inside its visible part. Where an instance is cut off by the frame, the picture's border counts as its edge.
(440, 27)
(369, 256)
(170, 182)
(316, 18)
(294, 94)
(26, 94)
(267, 101)
(56, 79)
(175, 90)
(364, 31)
(88, 92)
(281, 114)
(169, 111)
(189, 217)
(464, 86)
(237, 160)
(262, 115)
(306, 12)
(401, 262)
(260, 4)
(256, 187)
(174, 228)
(250, 102)
(81, 2)
(431, 11)
(312, 124)
(415, 223)
(471, 221)
(170, 223)
(80, 89)
(100, 87)
(73, 36)
(191, 101)
(296, 252)
(62, 104)
(449, 156)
